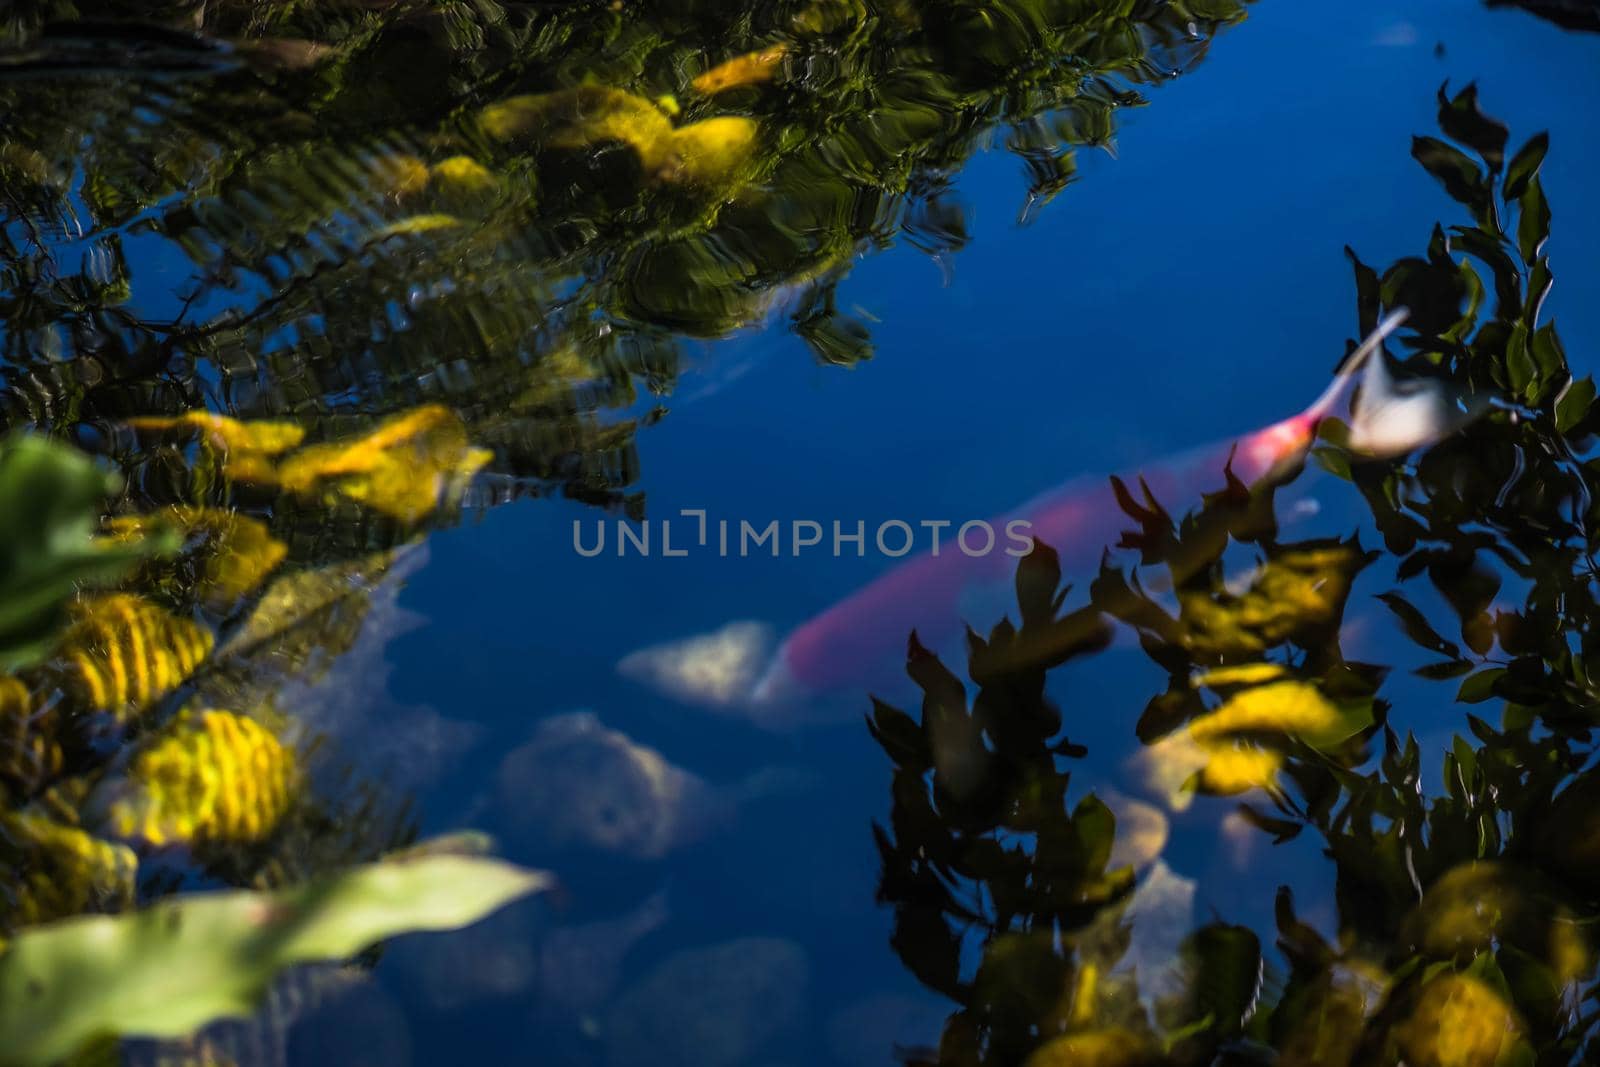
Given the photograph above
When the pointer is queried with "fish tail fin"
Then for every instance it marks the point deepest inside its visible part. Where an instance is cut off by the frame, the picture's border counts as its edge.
(1352, 366)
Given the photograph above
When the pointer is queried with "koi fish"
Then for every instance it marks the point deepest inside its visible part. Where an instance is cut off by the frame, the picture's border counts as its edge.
(859, 644)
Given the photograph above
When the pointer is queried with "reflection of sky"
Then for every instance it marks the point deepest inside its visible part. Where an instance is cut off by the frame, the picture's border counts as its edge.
(1193, 288)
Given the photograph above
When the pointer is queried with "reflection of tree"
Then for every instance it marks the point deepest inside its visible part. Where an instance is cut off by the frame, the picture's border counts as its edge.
(1571, 14)
(152, 723)
(509, 210)
(1464, 916)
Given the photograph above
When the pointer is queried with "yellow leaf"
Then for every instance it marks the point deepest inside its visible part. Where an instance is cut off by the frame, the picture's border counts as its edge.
(121, 653)
(418, 224)
(29, 751)
(1235, 768)
(210, 777)
(1177, 766)
(1294, 708)
(225, 434)
(753, 68)
(402, 469)
(1242, 674)
(1459, 1021)
(1095, 1048)
(56, 871)
(399, 175)
(307, 614)
(713, 152)
(1480, 905)
(580, 118)
(1297, 588)
(234, 552)
(462, 185)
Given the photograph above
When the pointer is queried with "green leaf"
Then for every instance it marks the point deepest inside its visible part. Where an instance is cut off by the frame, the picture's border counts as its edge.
(1461, 120)
(1450, 668)
(1416, 626)
(1458, 174)
(1479, 687)
(1572, 406)
(1524, 165)
(171, 968)
(51, 498)
(1225, 964)
(1522, 374)
(1533, 222)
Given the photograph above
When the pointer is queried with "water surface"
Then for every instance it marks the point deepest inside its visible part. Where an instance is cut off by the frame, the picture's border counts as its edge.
(945, 260)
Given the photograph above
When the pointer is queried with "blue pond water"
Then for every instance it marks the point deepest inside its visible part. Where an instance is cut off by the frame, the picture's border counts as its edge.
(719, 886)
(1169, 298)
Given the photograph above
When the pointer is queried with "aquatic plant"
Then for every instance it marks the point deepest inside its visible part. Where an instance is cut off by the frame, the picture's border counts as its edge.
(1464, 916)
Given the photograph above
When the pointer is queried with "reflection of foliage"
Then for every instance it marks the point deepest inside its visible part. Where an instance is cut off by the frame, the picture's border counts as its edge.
(171, 968)
(983, 841)
(411, 240)
(1465, 918)
(508, 209)
(61, 870)
(225, 557)
(123, 654)
(213, 777)
(1572, 14)
(148, 750)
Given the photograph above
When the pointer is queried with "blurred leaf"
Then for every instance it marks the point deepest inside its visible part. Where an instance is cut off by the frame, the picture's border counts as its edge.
(171, 968)
(1224, 963)
(404, 468)
(1294, 708)
(122, 653)
(752, 68)
(225, 434)
(232, 553)
(208, 777)
(51, 871)
(50, 500)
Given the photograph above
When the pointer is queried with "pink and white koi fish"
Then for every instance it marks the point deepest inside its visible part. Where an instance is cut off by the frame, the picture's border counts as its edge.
(859, 644)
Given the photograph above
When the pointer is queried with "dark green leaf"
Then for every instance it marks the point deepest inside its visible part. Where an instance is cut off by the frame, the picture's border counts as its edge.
(1458, 174)
(900, 736)
(1281, 829)
(1479, 687)
(1572, 406)
(1416, 626)
(1524, 165)
(1522, 374)
(1453, 668)
(1226, 969)
(1462, 120)
(1533, 222)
